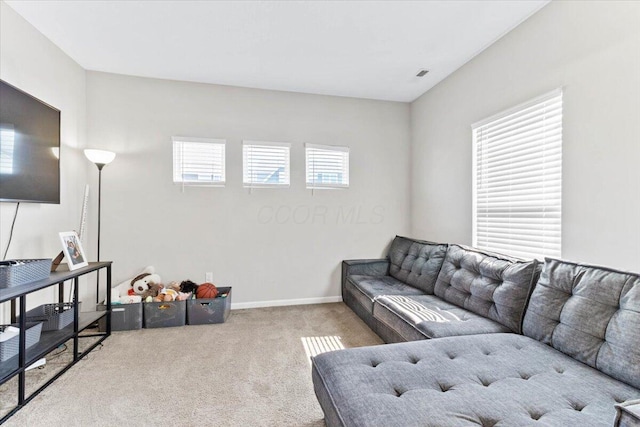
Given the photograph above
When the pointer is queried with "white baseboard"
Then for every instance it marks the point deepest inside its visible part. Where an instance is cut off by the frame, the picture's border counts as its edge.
(283, 302)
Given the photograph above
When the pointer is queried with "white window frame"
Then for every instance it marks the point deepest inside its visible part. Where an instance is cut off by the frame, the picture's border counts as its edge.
(248, 168)
(522, 228)
(178, 176)
(341, 153)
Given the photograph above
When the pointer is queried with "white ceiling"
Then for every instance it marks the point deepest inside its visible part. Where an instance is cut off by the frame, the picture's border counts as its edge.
(357, 48)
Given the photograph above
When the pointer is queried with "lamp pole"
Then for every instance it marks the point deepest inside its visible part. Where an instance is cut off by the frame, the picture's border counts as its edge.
(100, 166)
(100, 158)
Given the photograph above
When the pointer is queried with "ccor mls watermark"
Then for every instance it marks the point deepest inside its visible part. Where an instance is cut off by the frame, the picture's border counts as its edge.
(320, 214)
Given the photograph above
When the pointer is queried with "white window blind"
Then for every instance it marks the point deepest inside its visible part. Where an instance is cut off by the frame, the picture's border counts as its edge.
(327, 166)
(199, 161)
(518, 179)
(265, 164)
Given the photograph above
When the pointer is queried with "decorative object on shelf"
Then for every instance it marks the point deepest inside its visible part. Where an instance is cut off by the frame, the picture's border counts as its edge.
(72, 249)
(83, 221)
(15, 272)
(100, 158)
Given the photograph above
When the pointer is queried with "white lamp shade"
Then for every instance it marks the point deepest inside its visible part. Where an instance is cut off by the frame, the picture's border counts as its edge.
(100, 157)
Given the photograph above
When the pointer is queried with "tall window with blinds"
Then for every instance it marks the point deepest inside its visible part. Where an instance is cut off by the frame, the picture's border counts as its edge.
(265, 164)
(199, 161)
(327, 166)
(517, 179)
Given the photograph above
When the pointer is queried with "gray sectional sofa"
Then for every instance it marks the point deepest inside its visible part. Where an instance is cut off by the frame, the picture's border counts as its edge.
(431, 290)
(510, 347)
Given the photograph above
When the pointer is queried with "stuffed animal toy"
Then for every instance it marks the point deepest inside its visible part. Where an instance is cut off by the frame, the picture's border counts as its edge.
(188, 287)
(166, 294)
(142, 282)
(182, 296)
(152, 292)
(125, 288)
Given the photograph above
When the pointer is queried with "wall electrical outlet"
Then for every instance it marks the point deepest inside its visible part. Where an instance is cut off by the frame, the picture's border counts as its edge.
(208, 277)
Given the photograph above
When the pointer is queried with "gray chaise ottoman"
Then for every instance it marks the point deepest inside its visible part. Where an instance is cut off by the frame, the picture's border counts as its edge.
(476, 380)
(580, 356)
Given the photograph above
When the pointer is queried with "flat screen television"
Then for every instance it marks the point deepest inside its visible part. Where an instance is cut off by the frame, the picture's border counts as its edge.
(29, 148)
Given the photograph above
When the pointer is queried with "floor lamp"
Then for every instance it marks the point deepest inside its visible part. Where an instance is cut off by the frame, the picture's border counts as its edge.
(100, 158)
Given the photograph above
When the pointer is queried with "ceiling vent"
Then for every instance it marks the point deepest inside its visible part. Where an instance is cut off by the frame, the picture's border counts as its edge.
(421, 73)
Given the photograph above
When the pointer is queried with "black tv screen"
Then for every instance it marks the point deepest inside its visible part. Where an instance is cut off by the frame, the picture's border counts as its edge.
(29, 148)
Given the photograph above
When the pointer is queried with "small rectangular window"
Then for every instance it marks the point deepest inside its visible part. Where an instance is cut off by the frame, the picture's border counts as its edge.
(199, 161)
(327, 166)
(517, 179)
(265, 164)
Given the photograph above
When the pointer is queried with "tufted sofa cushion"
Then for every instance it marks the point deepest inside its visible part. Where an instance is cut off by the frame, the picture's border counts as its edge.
(591, 314)
(475, 380)
(416, 262)
(491, 285)
(365, 289)
(416, 317)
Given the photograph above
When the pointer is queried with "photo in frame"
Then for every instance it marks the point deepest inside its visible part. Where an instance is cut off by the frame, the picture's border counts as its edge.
(72, 249)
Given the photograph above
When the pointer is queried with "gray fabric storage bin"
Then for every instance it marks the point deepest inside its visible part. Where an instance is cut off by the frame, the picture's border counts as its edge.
(23, 271)
(53, 316)
(10, 347)
(165, 314)
(209, 310)
(124, 317)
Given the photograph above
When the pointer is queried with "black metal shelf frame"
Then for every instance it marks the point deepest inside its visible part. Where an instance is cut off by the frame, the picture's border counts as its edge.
(49, 341)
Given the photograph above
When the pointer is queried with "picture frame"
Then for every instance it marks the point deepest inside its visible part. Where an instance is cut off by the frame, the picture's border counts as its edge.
(72, 249)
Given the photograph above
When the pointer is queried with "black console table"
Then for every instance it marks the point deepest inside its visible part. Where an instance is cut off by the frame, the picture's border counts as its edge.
(49, 341)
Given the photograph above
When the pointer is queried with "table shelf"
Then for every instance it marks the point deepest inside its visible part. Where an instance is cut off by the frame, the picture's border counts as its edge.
(50, 340)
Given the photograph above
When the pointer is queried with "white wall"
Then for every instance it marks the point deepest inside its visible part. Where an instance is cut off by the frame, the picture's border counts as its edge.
(31, 62)
(592, 49)
(273, 244)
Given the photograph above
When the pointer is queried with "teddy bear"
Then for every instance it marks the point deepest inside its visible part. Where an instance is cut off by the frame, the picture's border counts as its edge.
(143, 281)
(152, 292)
(136, 286)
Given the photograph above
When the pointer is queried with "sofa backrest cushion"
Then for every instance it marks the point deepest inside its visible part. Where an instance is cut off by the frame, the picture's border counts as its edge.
(491, 285)
(591, 314)
(416, 262)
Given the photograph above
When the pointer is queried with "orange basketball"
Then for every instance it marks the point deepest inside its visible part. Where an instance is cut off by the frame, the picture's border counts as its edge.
(207, 290)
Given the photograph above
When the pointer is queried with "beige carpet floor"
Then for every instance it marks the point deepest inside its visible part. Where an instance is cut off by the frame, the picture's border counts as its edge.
(252, 370)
